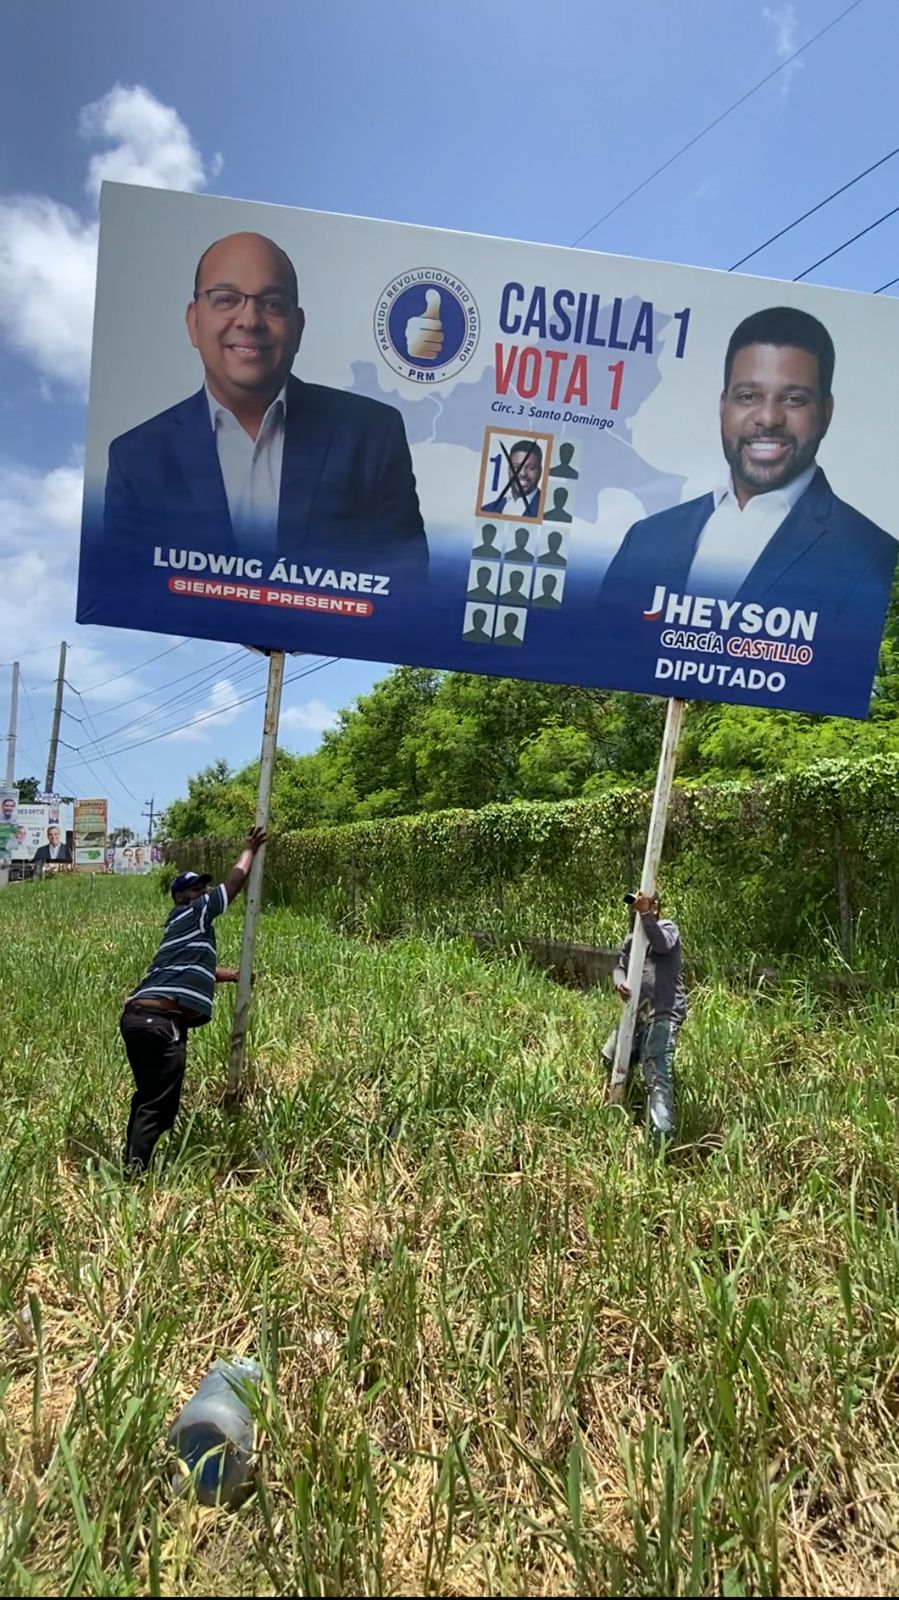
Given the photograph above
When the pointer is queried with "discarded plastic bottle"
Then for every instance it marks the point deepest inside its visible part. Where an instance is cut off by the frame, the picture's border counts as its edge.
(216, 1429)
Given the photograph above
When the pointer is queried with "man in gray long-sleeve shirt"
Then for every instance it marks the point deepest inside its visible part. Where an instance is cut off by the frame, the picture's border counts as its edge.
(663, 1007)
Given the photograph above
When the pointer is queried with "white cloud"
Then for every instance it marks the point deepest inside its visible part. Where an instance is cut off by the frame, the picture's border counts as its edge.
(48, 264)
(312, 716)
(48, 257)
(48, 253)
(39, 517)
(221, 708)
(40, 514)
(784, 24)
(150, 145)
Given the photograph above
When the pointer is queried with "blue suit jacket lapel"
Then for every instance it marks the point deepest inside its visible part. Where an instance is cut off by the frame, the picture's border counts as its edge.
(307, 440)
(194, 444)
(800, 529)
(673, 558)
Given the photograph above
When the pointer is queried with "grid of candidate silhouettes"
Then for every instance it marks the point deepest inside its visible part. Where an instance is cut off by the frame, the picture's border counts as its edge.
(513, 571)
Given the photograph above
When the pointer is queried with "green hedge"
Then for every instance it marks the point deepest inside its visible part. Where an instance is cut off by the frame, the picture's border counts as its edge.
(804, 866)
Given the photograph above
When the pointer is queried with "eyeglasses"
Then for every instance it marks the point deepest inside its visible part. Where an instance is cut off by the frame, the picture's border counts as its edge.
(278, 306)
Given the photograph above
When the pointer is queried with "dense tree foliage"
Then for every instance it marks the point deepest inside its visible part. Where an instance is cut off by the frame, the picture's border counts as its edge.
(425, 740)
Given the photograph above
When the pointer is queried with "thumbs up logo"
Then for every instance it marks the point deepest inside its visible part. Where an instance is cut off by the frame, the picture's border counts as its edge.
(424, 335)
(427, 325)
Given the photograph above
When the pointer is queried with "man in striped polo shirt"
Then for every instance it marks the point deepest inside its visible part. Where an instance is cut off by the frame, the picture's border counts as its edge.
(176, 994)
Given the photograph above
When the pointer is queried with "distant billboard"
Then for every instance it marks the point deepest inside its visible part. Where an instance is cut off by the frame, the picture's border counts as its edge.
(496, 457)
(133, 860)
(9, 824)
(41, 834)
(90, 827)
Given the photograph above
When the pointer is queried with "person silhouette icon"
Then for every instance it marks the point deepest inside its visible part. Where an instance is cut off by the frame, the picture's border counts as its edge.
(558, 512)
(482, 590)
(487, 546)
(552, 555)
(509, 634)
(547, 596)
(477, 633)
(563, 467)
(515, 593)
(519, 550)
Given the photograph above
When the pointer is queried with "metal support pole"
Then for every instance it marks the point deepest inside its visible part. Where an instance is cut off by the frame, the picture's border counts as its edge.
(655, 838)
(57, 714)
(11, 736)
(254, 887)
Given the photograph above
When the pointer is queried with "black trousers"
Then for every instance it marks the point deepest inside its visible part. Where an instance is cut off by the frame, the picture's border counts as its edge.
(156, 1045)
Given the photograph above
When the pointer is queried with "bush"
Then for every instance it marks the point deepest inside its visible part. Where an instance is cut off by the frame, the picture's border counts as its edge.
(805, 865)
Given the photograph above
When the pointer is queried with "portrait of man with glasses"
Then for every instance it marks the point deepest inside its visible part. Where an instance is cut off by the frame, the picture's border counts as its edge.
(259, 462)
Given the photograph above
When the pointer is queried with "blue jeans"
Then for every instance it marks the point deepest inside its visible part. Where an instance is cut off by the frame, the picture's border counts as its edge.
(654, 1046)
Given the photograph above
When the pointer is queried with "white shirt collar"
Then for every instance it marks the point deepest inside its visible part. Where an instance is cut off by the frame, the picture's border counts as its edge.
(784, 498)
(217, 410)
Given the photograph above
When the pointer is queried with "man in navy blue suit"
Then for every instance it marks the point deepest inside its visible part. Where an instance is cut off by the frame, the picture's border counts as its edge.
(774, 536)
(258, 462)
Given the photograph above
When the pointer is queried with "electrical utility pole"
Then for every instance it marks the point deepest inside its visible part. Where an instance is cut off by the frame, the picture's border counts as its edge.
(11, 736)
(151, 814)
(57, 714)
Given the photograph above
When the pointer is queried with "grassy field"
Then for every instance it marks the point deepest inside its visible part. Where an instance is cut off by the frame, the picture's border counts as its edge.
(506, 1352)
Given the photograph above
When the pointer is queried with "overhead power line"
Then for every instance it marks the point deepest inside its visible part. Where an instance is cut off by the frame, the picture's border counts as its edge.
(886, 285)
(138, 668)
(101, 752)
(846, 243)
(157, 688)
(26, 655)
(196, 694)
(41, 743)
(811, 212)
(102, 782)
(717, 120)
(166, 733)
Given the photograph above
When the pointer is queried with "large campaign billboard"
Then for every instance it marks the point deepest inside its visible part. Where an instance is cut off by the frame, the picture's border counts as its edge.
(323, 433)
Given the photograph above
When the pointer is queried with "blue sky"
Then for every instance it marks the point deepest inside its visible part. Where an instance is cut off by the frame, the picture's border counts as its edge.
(525, 119)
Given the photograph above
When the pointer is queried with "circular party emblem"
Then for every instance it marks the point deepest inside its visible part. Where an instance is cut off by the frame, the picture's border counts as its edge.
(427, 325)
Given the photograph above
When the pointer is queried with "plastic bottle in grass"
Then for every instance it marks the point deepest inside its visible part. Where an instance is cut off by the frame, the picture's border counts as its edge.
(214, 1435)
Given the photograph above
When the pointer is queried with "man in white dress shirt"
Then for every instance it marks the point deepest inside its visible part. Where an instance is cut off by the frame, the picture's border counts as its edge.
(257, 462)
(773, 534)
(55, 850)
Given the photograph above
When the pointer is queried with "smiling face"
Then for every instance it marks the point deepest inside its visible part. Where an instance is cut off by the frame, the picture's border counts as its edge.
(247, 350)
(773, 417)
(53, 836)
(526, 469)
(8, 809)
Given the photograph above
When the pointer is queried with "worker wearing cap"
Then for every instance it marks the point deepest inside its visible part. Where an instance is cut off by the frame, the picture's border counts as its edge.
(175, 995)
(662, 1009)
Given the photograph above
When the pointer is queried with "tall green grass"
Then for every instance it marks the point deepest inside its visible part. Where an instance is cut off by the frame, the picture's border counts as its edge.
(505, 1350)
